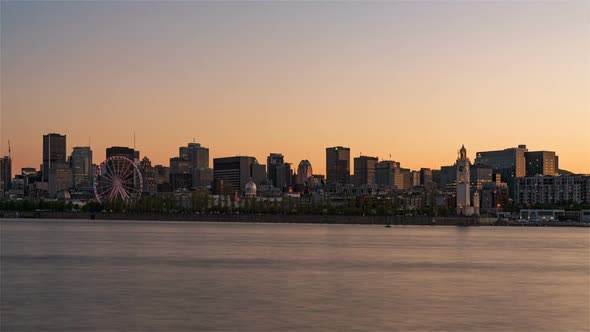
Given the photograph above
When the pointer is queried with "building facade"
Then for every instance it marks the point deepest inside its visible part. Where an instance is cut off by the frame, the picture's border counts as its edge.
(237, 171)
(338, 164)
(463, 184)
(554, 190)
(541, 163)
(54, 152)
(5, 173)
(81, 165)
(364, 170)
(122, 151)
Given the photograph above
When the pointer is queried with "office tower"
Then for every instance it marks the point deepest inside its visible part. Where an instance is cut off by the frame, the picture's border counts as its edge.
(401, 178)
(81, 165)
(148, 175)
(304, 172)
(541, 163)
(364, 170)
(273, 161)
(338, 164)
(480, 174)
(237, 171)
(181, 176)
(29, 176)
(426, 178)
(384, 173)
(122, 151)
(54, 151)
(414, 178)
(5, 173)
(511, 163)
(202, 177)
(60, 178)
(196, 154)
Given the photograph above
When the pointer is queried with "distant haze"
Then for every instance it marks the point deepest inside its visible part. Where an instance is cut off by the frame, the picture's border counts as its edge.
(411, 79)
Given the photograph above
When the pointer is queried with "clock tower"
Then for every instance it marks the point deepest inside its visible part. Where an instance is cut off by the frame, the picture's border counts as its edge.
(463, 193)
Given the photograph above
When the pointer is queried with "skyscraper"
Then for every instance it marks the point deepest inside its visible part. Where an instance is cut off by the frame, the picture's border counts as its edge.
(338, 164)
(304, 172)
(510, 163)
(273, 161)
(54, 152)
(364, 170)
(385, 173)
(426, 178)
(541, 163)
(148, 174)
(180, 173)
(196, 154)
(237, 171)
(5, 173)
(198, 157)
(60, 178)
(122, 151)
(81, 165)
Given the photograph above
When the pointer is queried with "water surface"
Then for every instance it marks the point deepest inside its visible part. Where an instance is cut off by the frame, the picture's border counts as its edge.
(156, 276)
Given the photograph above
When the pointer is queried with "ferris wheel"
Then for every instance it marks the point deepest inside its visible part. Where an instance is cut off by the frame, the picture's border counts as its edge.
(118, 178)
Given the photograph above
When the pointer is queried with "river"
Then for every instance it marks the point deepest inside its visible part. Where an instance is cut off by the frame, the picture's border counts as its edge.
(59, 275)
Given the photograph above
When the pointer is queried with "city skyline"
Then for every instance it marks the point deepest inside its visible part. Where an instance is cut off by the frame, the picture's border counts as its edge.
(414, 80)
(70, 150)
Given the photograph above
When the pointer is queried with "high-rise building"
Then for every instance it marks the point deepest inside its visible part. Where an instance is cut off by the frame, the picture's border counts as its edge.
(196, 154)
(414, 178)
(148, 174)
(122, 151)
(364, 170)
(463, 183)
(54, 151)
(304, 172)
(276, 174)
(60, 178)
(447, 178)
(30, 176)
(479, 174)
(237, 171)
(338, 164)
(280, 173)
(202, 177)
(385, 173)
(163, 178)
(81, 165)
(541, 163)
(511, 163)
(5, 173)
(198, 157)
(401, 178)
(181, 176)
(426, 178)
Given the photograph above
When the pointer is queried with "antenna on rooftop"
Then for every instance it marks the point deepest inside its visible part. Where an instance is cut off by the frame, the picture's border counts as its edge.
(8, 148)
(133, 140)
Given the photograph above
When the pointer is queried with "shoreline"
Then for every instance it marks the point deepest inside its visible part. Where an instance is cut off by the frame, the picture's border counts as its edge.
(284, 219)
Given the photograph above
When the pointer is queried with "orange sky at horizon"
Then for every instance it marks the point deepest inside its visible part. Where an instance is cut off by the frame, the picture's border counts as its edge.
(297, 78)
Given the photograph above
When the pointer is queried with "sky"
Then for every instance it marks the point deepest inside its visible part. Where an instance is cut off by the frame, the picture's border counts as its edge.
(410, 79)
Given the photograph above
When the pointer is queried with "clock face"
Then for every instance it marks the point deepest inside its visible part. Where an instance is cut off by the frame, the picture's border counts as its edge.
(461, 168)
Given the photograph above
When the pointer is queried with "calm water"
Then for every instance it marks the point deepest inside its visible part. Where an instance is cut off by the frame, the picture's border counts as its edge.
(155, 276)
